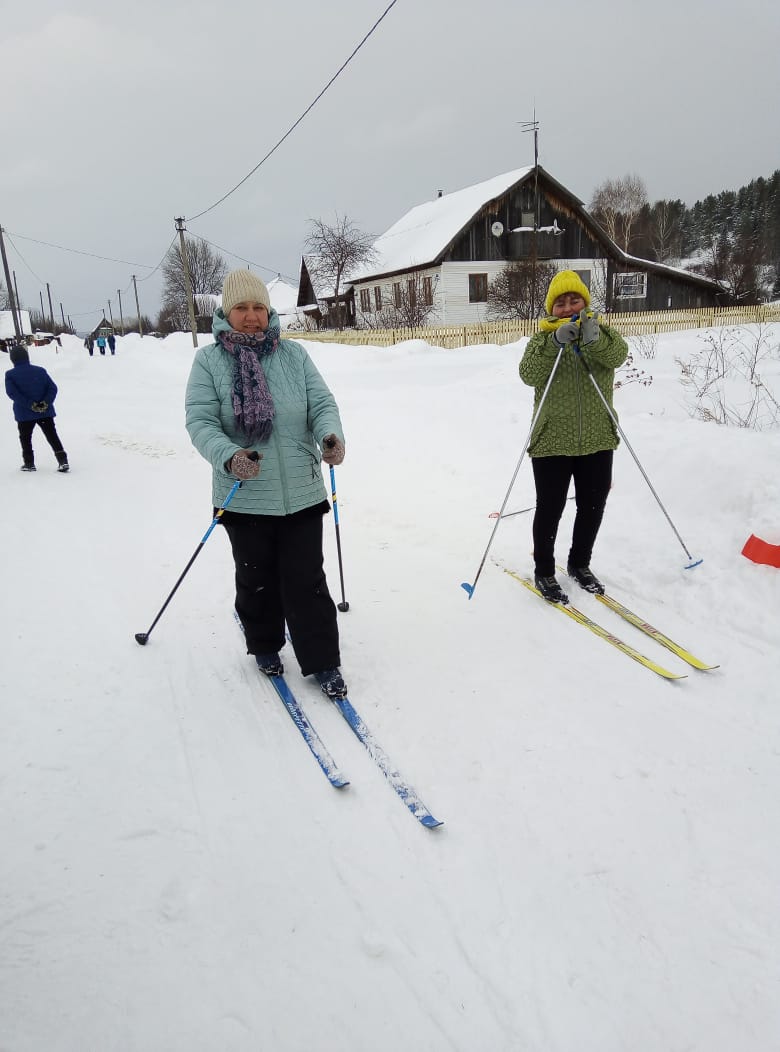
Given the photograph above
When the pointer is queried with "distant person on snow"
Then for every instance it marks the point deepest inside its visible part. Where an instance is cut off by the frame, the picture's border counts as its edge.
(252, 392)
(101, 342)
(89, 343)
(112, 342)
(574, 437)
(33, 392)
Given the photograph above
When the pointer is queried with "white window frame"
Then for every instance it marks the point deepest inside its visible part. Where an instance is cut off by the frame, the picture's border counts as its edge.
(627, 284)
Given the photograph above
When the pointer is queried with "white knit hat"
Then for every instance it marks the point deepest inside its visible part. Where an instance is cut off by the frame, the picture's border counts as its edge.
(243, 287)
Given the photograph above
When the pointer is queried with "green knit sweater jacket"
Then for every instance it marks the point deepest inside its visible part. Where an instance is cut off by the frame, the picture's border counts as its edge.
(573, 421)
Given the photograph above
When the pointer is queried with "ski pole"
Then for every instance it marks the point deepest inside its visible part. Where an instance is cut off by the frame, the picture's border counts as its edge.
(343, 605)
(143, 637)
(691, 561)
(520, 511)
(469, 588)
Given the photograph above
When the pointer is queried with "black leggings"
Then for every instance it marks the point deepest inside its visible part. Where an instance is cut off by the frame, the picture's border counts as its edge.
(46, 424)
(280, 577)
(592, 476)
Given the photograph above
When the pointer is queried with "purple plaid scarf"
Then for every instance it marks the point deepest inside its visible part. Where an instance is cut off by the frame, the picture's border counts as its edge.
(252, 401)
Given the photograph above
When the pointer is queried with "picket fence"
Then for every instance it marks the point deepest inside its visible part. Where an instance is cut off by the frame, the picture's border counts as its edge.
(511, 330)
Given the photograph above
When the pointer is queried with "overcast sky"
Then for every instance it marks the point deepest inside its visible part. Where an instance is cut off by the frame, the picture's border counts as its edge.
(119, 117)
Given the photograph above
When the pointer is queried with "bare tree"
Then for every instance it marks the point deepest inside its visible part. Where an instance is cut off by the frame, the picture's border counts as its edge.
(616, 203)
(664, 230)
(335, 253)
(407, 303)
(518, 290)
(207, 273)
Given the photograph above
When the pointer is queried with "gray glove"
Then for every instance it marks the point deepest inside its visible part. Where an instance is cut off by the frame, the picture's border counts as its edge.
(589, 328)
(566, 333)
(245, 464)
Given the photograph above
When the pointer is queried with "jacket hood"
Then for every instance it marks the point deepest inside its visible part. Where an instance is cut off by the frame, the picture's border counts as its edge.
(220, 324)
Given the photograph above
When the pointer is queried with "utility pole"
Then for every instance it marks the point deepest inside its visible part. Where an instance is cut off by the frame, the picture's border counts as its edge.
(9, 286)
(138, 309)
(121, 316)
(18, 301)
(534, 127)
(51, 309)
(43, 312)
(111, 316)
(62, 312)
(187, 280)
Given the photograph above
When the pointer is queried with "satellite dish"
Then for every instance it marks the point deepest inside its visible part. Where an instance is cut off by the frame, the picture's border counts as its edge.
(497, 229)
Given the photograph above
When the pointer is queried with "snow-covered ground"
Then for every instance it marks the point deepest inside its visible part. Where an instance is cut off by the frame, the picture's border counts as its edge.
(176, 874)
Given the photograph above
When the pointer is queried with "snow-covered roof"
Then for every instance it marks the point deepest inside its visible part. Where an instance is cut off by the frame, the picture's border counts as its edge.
(7, 328)
(284, 296)
(425, 231)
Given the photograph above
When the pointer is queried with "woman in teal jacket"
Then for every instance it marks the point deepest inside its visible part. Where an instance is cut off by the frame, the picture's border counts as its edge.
(252, 393)
(574, 437)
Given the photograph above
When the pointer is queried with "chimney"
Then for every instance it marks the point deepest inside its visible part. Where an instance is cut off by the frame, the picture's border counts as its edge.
(440, 193)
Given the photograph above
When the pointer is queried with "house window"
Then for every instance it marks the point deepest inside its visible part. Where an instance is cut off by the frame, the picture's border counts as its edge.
(397, 293)
(478, 284)
(631, 286)
(527, 219)
(427, 292)
(378, 297)
(411, 288)
(365, 300)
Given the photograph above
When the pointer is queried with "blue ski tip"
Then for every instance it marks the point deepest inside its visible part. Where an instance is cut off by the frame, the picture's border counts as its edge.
(430, 822)
(693, 565)
(468, 587)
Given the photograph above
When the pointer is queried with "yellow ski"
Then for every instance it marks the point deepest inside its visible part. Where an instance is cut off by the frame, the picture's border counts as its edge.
(653, 633)
(598, 630)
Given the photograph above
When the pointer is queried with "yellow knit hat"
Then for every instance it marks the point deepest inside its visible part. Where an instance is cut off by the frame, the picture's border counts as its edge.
(243, 287)
(563, 282)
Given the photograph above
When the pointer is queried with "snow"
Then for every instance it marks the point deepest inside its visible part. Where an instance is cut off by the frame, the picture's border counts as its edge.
(426, 230)
(177, 875)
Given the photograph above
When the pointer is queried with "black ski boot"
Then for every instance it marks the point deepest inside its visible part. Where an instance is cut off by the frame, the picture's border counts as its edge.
(271, 664)
(551, 590)
(28, 467)
(586, 579)
(331, 683)
(62, 461)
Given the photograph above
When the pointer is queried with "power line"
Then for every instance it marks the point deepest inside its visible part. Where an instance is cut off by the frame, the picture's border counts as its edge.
(168, 249)
(19, 254)
(78, 252)
(305, 112)
(271, 270)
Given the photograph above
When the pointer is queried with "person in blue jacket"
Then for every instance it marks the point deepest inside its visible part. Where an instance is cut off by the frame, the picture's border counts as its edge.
(33, 391)
(259, 411)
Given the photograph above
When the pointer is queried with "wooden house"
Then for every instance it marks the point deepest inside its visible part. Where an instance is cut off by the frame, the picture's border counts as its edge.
(103, 328)
(452, 247)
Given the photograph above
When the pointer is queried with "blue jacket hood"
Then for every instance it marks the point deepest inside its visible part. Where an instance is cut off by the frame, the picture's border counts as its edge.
(220, 324)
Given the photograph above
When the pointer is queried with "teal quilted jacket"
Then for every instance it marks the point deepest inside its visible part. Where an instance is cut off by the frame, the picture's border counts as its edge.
(290, 477)
(573, 421)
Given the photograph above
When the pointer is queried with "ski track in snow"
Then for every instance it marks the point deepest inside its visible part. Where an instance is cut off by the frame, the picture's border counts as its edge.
(178, 875)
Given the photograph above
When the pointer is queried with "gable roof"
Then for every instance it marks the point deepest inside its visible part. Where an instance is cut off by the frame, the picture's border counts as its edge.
(425, 232)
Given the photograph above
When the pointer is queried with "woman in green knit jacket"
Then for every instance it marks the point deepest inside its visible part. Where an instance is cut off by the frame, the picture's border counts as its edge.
(574, 437)
(258, 410)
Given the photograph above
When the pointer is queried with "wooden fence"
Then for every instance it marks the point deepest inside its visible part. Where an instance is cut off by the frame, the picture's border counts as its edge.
(509, 331)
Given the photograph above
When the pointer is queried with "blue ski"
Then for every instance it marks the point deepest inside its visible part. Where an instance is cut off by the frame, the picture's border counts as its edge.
(380, 757)
(308, 733)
